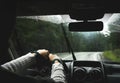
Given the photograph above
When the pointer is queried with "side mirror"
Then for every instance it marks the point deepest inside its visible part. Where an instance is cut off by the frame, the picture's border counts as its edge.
(86, 26)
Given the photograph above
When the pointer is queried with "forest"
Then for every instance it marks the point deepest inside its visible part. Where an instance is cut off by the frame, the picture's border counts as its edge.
(33, 34)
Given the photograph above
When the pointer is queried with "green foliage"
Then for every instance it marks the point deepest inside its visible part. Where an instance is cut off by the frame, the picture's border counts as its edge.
(112, 55)
(115, 40)
(34, 35)
(117, 52)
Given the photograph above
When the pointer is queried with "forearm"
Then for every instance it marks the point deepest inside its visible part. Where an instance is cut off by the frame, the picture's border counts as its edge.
(57, 73)
(20, 64)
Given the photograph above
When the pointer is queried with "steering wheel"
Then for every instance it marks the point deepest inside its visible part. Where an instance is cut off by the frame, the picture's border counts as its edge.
(43, 67)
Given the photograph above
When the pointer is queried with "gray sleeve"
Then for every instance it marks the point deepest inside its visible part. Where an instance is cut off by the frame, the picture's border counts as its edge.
(57, 73)
(19, 64)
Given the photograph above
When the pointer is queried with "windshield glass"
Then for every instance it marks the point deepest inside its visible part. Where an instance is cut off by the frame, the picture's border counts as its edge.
(46, 32)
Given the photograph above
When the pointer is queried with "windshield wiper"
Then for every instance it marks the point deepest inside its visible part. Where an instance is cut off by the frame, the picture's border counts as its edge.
(68, 42)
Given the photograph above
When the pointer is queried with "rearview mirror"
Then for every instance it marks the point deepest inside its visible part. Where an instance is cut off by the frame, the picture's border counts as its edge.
(86, 26)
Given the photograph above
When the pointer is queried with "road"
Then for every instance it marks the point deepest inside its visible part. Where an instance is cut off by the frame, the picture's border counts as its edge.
(89, 56)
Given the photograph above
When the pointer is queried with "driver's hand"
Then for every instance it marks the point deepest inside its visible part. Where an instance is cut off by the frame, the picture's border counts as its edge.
(44, 53)
(53, 56)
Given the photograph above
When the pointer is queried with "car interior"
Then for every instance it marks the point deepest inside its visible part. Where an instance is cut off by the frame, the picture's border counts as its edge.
(86, 12)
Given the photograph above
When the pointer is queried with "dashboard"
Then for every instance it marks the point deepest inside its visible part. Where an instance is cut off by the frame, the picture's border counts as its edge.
(92, 72)
(84, 71)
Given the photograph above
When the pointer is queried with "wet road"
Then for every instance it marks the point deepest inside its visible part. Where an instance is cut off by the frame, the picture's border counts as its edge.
(89, 56)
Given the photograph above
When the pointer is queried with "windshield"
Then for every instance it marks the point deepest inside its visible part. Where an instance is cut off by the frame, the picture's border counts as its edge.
(46, 32)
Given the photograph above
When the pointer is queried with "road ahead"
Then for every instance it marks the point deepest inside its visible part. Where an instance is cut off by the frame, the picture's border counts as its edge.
(92, 56)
